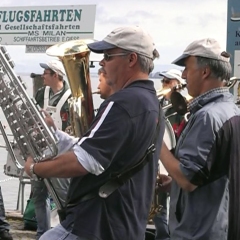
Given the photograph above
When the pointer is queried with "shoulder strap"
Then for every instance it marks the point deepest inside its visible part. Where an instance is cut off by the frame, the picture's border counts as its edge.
(63, 99)
(46, 97)
(119, 179)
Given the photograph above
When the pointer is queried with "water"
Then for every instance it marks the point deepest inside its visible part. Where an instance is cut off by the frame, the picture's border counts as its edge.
(9, 184)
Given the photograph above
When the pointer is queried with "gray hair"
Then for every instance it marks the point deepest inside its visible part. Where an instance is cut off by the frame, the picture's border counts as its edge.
(219, 69)
(146, 64)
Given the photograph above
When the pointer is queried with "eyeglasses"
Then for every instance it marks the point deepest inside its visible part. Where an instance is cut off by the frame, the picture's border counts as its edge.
(166, 80)
(107, 57)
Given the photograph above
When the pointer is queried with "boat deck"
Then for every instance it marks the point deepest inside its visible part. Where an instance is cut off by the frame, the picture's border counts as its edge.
(15, 220)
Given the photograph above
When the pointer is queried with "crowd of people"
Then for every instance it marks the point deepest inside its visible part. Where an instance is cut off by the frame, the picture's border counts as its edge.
(114, 167)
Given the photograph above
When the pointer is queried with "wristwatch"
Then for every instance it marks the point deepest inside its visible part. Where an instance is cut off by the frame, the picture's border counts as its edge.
(33, 175)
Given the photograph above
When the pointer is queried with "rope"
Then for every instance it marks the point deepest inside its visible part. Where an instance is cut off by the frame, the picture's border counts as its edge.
(7, 179)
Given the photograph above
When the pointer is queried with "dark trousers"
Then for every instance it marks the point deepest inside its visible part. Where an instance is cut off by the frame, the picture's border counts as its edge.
(4, 225)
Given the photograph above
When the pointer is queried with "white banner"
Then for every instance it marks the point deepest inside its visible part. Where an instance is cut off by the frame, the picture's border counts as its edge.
(46, 25)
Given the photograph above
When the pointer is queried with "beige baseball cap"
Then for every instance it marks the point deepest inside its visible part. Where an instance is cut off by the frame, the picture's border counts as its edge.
(173, 74)
(130, 38)
(55, 65)
(207, 47)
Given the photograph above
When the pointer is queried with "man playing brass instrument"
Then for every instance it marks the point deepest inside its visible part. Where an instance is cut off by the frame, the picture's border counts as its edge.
(199, 199)
(104, 89)
(117, 139)
(54, 95)
(53, 98)
(171, 79)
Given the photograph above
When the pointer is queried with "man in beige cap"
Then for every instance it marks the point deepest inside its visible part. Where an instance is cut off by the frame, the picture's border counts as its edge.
(171, 79)
(199, 198)
(105, 200)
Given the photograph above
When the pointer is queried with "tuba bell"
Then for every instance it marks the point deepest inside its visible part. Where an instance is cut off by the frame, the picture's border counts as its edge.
(161, 93)
(75, 58)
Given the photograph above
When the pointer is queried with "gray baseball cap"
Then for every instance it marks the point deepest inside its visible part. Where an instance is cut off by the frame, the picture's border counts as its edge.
(173, 74)
(131, 38)
(55, 65)
(207, 47)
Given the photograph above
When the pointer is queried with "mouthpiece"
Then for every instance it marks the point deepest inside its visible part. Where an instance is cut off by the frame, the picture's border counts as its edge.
(179, 86)
(33, 75)
(96, 92)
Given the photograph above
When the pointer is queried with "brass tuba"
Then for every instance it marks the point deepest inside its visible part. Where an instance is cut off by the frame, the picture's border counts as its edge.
(32, 135)
(75, 58)
(25, 121)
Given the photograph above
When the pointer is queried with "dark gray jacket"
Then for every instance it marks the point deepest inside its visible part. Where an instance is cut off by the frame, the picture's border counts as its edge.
(204, 150)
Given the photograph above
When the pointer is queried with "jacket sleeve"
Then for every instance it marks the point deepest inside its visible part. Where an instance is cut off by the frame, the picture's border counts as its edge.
(194, 150)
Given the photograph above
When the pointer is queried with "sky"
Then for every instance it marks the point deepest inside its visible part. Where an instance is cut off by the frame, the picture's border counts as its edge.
(173, 24)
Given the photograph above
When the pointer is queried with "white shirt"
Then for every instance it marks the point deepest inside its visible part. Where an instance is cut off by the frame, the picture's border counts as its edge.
(67, 142)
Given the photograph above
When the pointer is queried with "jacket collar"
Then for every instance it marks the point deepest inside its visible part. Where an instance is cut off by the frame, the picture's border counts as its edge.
(216, 94)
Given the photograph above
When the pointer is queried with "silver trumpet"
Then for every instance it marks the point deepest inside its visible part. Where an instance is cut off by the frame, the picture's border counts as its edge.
(181, 104)
(231, 83)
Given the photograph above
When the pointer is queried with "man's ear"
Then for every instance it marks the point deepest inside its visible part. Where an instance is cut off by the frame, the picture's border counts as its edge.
(206, 72)
(132, 58)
